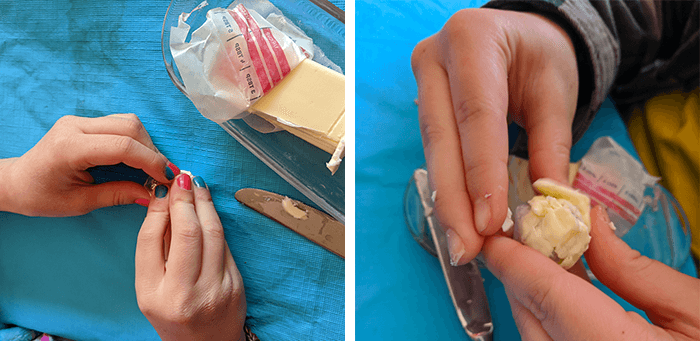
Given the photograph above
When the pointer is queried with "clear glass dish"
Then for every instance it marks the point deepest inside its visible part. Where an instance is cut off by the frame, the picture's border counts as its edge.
(296, 161)
(661, 233)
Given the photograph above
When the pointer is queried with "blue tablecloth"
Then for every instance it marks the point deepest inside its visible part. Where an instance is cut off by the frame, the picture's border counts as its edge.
(400, 291)
(74, 277)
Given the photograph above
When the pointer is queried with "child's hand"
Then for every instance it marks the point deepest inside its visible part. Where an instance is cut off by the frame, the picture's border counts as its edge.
(481, 66)
(549, 303)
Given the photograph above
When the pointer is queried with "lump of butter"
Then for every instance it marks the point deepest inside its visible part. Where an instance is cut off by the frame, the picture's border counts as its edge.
(578, 199)
(294, 211)
(557, 224)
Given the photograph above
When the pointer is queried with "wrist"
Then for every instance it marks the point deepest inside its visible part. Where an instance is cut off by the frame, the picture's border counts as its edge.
(6, 191)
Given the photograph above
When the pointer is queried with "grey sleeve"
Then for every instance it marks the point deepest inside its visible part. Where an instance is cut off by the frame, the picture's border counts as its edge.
(630, 50)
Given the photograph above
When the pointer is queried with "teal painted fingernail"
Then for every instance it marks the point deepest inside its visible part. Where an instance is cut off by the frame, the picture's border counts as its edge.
(199, 182)
(169, 174)
(161, 191)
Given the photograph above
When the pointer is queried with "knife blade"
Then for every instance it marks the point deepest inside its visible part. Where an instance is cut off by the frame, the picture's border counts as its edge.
(307, 221)
(463, 282)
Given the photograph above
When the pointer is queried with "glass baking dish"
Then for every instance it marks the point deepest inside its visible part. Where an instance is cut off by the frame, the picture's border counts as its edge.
(296, 161)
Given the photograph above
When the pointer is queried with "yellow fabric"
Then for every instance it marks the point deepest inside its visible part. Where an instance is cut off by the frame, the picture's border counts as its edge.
(667, 136)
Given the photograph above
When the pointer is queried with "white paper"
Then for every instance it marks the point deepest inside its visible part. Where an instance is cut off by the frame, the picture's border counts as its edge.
(232, 60)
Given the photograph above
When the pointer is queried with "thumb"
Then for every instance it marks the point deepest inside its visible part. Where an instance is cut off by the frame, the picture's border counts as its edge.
(114, 193)
(670, 299)
(548, 299)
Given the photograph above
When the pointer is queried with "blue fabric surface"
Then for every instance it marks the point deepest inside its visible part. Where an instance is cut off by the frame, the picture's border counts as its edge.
(339, 3)
(400, 290)
(74, 277)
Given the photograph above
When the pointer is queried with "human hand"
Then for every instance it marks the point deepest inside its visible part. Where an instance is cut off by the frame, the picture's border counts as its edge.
(51, 178)
(549, 303)
(481, 66)
(187, 284)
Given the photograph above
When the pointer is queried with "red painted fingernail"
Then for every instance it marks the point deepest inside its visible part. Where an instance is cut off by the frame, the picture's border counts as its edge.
(184, 182)
(142, 202)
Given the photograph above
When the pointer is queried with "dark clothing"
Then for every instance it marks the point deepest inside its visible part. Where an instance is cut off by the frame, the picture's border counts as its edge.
(629, 50)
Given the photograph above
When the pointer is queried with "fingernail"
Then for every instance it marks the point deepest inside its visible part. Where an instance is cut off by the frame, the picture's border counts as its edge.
(184, 182)
(604, 213)
(199, 182)
(171, 171)
(143, 202)
(456, 247)
(482, 215)
(161, 191)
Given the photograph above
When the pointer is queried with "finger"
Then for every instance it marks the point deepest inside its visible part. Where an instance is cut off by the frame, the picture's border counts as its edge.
(96, 150)
(117, 124)
(230, 264)
(149, 258)
(566, 306)
(166, 242)
(214, 242)
(443, 155)
(233, 281)
(528, 325)
(547, 101)
(579, 270)
(114, 193)
(480, 103)
(232, 270)
(185, 257)
(549, 138)
(671, 299)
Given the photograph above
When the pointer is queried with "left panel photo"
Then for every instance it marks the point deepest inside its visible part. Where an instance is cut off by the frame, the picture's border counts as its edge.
(172, 163)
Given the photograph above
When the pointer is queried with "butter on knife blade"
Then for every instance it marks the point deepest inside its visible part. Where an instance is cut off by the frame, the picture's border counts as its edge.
(309, 222)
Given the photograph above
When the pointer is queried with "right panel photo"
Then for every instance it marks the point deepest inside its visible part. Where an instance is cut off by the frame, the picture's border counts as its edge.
(527, 170)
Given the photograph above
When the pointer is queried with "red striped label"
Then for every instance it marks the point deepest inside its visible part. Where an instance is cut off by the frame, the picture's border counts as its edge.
(264, 48)
(595, 192)
(279, 52)
(252, 49)
(622, 202)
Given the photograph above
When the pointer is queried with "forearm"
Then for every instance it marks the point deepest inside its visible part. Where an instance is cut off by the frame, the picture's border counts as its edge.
(6, 193)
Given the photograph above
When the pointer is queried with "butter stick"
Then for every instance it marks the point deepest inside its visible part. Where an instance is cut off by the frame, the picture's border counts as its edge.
(309, 103)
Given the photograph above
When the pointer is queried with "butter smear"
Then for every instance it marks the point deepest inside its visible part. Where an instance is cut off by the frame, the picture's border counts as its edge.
(294, 211)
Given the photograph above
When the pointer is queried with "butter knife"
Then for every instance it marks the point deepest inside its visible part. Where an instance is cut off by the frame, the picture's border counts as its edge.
(464, 282)
(307, 221)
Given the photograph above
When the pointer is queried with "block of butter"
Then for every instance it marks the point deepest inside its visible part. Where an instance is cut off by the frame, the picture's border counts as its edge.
(557, 224)
(309, 103)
